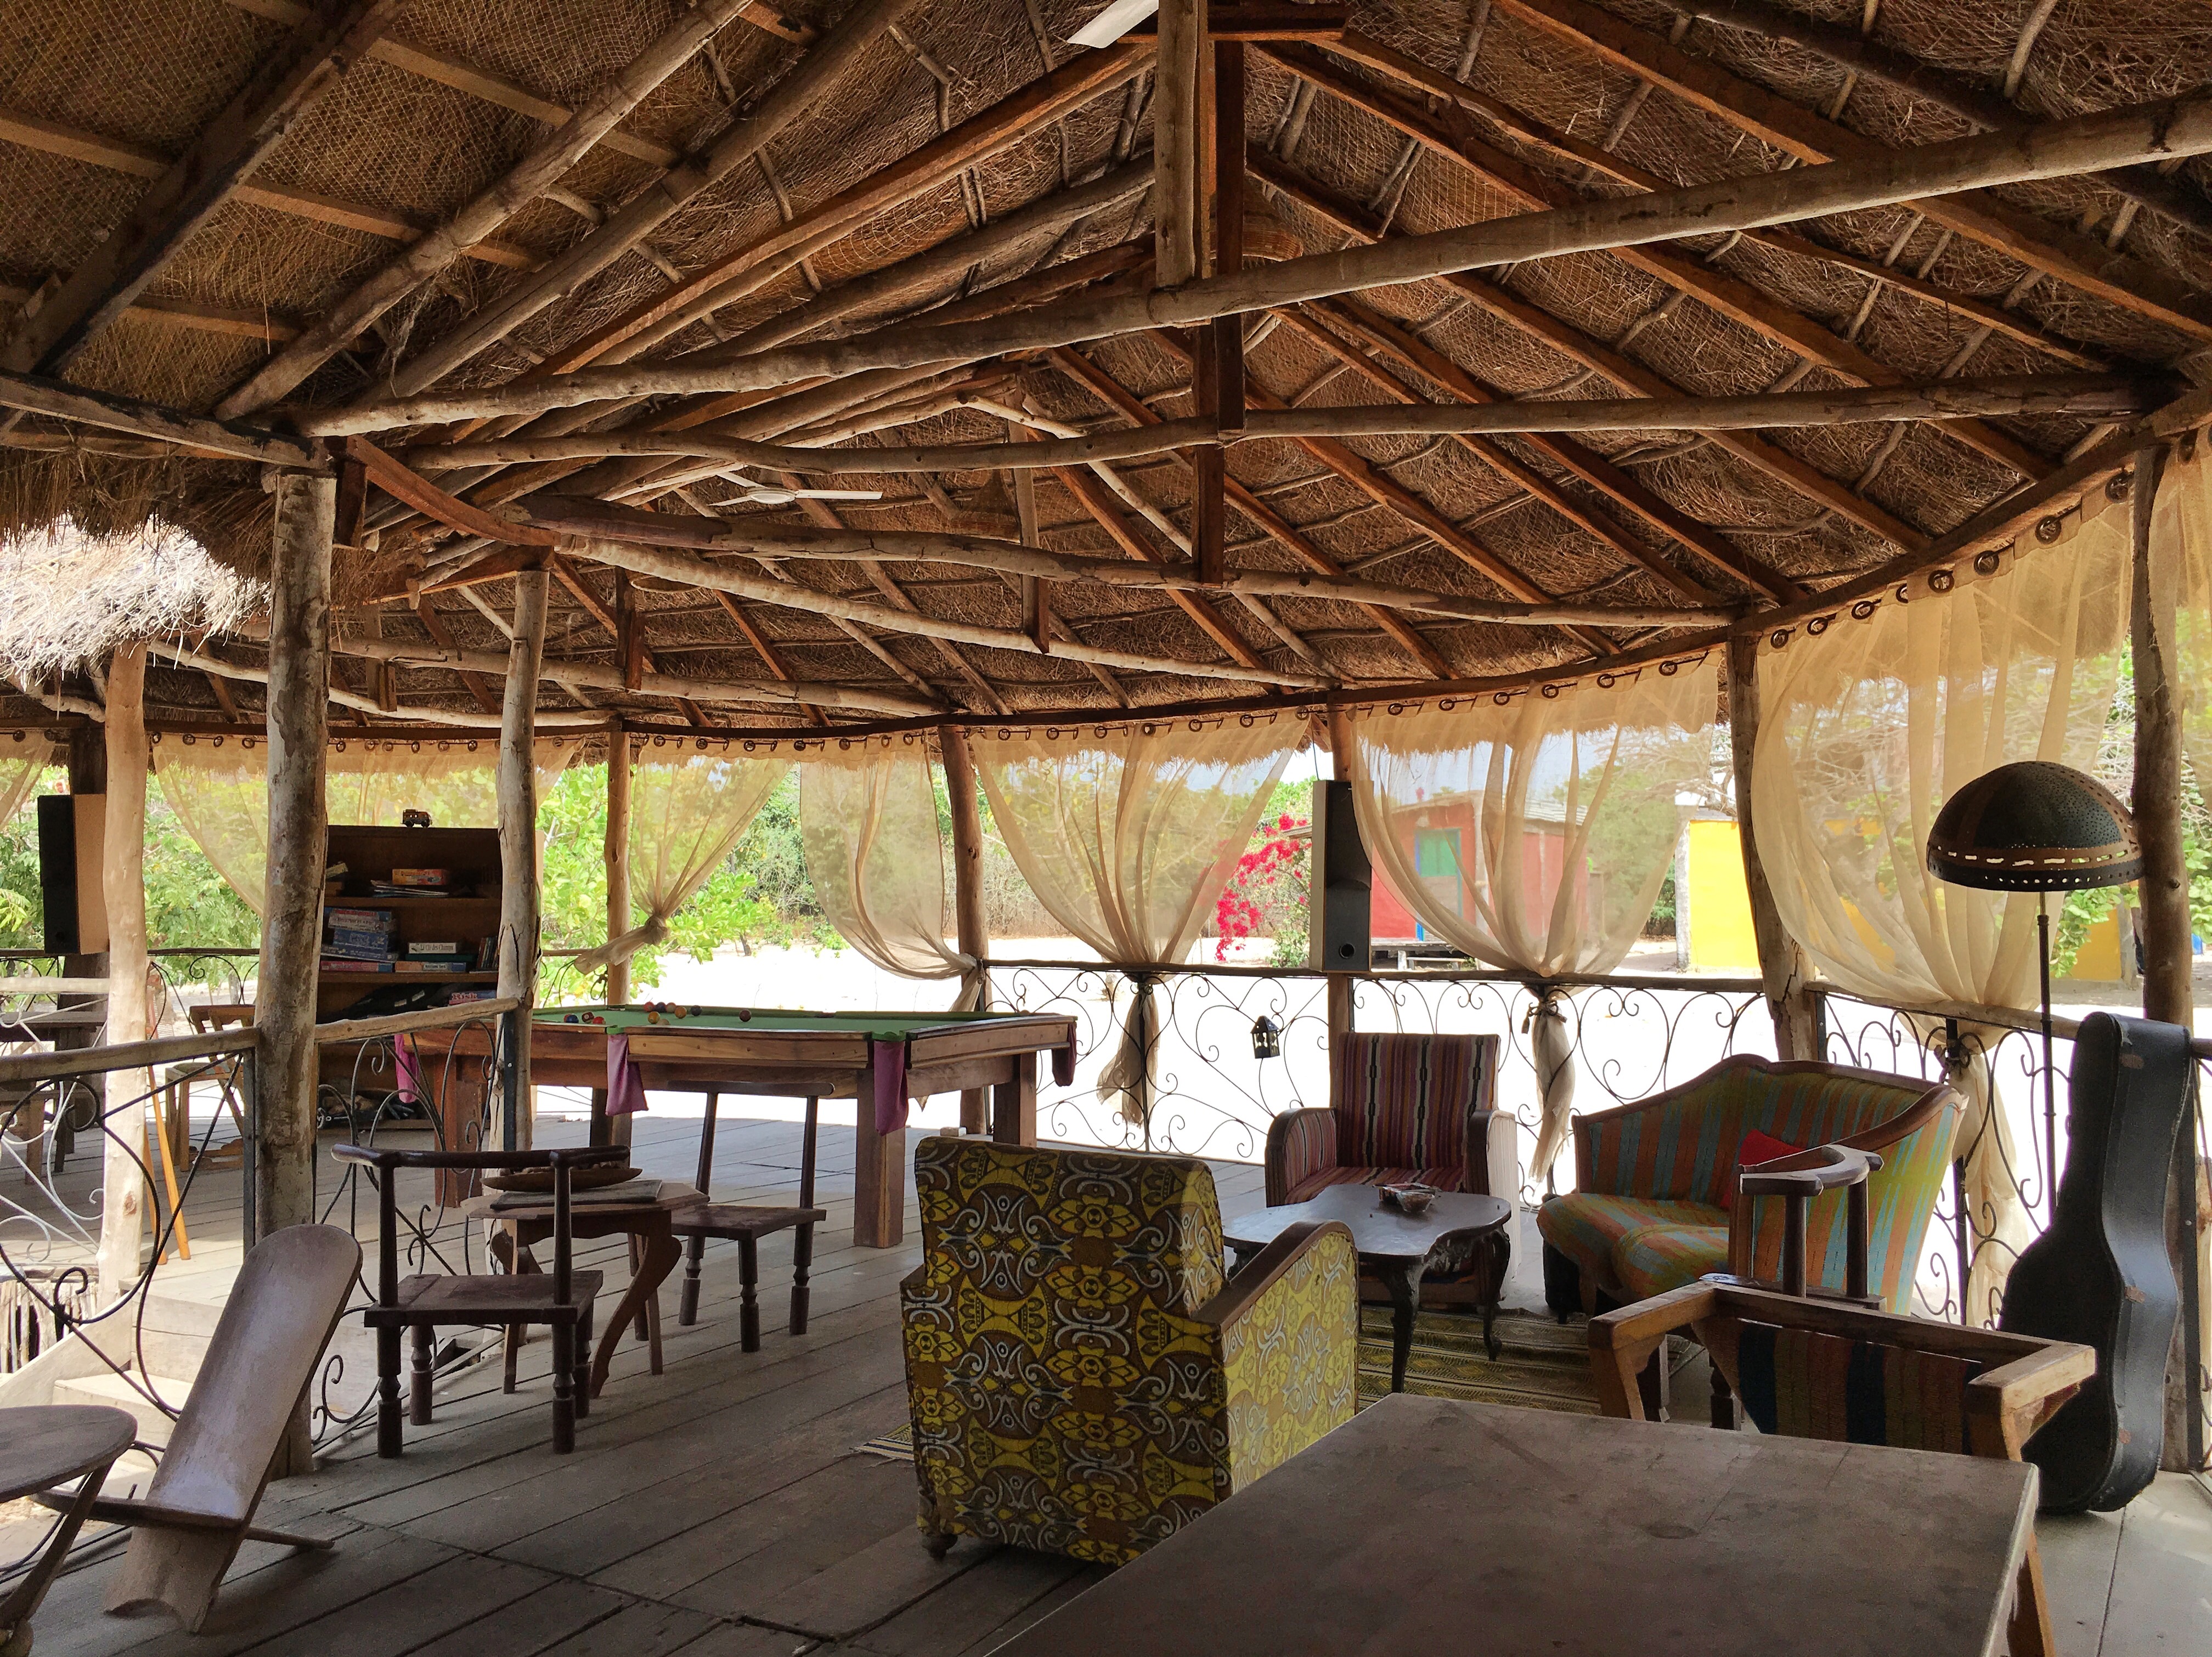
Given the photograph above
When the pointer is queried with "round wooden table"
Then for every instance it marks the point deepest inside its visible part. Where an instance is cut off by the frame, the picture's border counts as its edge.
(41, 1447)
(1458, 1229)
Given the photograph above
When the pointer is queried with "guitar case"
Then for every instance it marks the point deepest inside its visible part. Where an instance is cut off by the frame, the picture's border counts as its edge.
(2101, 1275)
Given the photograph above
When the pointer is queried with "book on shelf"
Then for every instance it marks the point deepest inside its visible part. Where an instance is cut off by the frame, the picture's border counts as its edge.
(434, 948)
(358, 921)
(386, 888)
(336, 951)
(333, 963)
(422, 878)
(458, 963)
(458, 997)
(345, 938)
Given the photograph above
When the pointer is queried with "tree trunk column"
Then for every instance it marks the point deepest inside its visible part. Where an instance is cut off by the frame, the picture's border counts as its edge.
(2167, 992)
(1782, 969)
(123, 881)
(291, 925)
(967, 890)
(517, 841)
(616, 855)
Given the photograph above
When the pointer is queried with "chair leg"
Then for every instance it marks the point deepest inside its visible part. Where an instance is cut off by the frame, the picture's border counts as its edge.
(418, 1379)
(637, 1264)
(1723, 1402)
(687, 1303)
(748, 1296)
(387, 1392)
(1651, 1381)
(514, 1352)
(581, 1357)
(802, 1256)
(564, 1388)
(2030, 1633)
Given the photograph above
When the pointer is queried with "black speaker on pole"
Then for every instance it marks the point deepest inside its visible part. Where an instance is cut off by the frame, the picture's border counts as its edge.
(71, 832)
(1342, 883)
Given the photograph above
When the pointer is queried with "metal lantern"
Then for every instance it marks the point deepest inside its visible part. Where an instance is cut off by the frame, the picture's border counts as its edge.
(2034, 827)
(1266, 1038)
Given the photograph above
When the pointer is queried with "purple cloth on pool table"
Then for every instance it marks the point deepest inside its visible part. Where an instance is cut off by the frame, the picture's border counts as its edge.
(625, 1086)
(887, 1059)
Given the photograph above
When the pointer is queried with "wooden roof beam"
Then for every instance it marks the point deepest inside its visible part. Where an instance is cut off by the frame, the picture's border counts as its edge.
(220, 438)
(1453, 140)
(538, 171)
(1110, 392)
(2180, 127)
(2130, 283)
(1571, 343)
(815, 76)
(1414, 76)
(289, 81)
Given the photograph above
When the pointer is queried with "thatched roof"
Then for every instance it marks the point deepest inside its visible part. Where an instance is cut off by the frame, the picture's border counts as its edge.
(272, 298)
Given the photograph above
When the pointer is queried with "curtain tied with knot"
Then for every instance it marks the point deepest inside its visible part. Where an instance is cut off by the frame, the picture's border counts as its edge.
(874, 845)
(1533, 831)
(1865, 728)
(689, 806)
(1126, 834)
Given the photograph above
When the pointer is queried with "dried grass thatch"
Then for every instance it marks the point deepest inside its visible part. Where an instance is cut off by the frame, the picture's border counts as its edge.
(68, 598)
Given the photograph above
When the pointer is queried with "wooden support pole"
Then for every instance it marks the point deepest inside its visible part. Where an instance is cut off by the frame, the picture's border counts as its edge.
(518, 835)
(1782, 968)
(123, 881)
(967, 887)
(2167, 992)
(616, 1130)
(1175, 140)
(286, 1061)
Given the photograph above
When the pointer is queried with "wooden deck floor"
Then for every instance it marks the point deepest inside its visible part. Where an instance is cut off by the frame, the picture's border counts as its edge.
(722, 1509)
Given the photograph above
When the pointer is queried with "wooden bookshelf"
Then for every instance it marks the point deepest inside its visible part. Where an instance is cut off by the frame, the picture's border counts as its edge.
(469, 914)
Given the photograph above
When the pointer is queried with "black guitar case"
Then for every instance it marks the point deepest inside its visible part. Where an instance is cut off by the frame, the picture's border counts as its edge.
(2101, 1275)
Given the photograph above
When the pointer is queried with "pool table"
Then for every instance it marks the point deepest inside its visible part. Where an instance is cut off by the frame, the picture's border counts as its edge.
(880, 1059)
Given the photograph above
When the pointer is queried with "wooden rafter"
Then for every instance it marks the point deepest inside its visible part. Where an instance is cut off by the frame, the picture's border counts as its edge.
(188, 194)
(2117, 278)
(2061, 149)
(222, 439)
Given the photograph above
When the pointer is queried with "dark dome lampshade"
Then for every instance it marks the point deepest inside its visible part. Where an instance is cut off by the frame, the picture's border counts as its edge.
(2034, 827)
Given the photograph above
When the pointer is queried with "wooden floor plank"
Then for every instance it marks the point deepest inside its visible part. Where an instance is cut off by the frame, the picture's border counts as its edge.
(640, 1628)
(854, 1594)
(553, 1616)
(998, 1590)
(2161, 1598)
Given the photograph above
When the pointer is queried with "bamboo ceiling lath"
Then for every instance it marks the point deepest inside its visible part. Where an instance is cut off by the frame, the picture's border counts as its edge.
(863, 358)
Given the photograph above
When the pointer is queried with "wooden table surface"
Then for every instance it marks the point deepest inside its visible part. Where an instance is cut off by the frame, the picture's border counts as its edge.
(1378, 1232)
(48, 1444)
(1430, 1526)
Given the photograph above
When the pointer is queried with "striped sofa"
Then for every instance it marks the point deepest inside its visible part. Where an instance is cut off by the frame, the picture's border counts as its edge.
(1404, 1109)
(1651, 1209)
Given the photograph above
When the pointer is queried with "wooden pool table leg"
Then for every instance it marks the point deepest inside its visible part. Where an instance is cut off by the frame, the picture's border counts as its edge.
(1013, 1104)
(879, 1173)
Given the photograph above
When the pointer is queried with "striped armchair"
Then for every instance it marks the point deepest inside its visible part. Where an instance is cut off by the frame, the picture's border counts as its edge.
(1653, 1207)
(1404, 1109)
(1081, 1377)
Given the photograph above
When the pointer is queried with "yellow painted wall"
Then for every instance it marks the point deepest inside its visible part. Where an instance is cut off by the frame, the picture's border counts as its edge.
(2098, 957)
(1721, 938)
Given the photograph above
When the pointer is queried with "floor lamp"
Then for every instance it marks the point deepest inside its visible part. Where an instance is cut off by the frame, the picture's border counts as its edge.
(2035, 826)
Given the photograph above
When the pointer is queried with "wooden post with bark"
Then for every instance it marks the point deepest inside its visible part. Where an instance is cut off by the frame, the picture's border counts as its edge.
(286, 1061)
(122, 883)
(618, 922)
(2168, 993)
(1782, 968)
(518, 845)
(967, 888)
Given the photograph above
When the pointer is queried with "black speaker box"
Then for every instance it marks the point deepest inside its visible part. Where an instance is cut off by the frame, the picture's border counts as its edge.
(71, 832)
(1342, 883)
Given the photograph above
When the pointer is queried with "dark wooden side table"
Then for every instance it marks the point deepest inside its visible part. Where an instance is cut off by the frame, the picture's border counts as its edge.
(1457, 1230)
(41, 1447)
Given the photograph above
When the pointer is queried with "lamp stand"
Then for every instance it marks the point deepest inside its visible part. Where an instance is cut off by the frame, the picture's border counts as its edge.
(2049, 1071)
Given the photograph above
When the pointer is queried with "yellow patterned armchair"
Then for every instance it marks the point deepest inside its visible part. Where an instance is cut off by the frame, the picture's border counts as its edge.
(1082, 1378)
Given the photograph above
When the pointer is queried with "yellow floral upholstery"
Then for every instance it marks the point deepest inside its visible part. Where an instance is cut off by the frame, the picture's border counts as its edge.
(1079, 1380)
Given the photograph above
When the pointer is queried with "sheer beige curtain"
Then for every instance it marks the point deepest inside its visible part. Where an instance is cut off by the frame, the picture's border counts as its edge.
(2181, 572)
(1866, 728)
(1534, 832)
(1128, 833)
(219, 789)
(689, 806)
(875, 851)
(22, 762)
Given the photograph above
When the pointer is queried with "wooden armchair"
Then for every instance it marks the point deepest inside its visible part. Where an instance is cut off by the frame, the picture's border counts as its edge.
(1810, 1368)
(562, 1299)
(1081, 1379)
(1404, 1109)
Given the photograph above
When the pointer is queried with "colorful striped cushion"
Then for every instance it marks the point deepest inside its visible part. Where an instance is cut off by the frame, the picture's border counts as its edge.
(1804, 1385)
(1402, 1100)
(1587, 1227)
(1443, 1179)
(1658, 1257)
